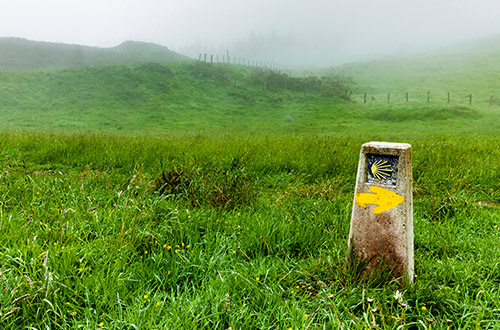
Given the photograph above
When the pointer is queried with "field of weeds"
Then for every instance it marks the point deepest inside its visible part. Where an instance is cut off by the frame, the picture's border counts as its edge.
(120, 232)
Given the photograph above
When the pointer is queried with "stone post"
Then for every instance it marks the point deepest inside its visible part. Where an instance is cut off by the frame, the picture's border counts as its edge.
(381, 232)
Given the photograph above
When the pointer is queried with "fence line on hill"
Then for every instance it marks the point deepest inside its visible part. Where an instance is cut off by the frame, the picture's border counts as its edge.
(214, 59)
(204, 57)
(391, 98)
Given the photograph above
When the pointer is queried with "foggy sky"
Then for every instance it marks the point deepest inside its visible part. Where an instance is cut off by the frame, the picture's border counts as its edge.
(314, 32)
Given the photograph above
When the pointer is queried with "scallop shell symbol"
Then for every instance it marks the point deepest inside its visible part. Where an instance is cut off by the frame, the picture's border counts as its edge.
(381, 169)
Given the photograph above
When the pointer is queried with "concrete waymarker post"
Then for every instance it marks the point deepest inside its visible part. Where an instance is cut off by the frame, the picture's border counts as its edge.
(381, 233)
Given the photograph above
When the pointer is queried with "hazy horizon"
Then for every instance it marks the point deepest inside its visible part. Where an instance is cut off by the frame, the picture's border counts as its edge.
(313, 33)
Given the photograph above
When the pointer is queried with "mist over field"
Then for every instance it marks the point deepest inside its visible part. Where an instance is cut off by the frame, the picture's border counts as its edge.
(312, 33)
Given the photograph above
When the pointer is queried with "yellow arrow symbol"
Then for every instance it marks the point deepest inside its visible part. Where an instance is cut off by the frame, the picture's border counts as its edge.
(385, 199)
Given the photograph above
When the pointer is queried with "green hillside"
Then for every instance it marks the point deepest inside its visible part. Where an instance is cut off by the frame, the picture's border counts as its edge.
(22, 54)
(192, 97)
(470, 68)
(178, 97)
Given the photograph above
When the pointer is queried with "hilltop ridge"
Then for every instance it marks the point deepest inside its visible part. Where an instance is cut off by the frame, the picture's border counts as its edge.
(18, 54)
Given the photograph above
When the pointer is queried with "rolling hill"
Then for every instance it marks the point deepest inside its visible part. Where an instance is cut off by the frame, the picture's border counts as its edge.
(461, 70)
(137, 95)
(173, 97)
(21, 54)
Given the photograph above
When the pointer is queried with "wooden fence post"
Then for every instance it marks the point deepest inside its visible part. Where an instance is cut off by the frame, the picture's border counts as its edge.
(448, 97)
(470, 99)
(406, 96)
(491, 100)
(428, 96)
(364, 98)
(388, 97)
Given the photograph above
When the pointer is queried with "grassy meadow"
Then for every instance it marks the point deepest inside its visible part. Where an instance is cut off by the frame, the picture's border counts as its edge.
(460, 71)
(182, 196)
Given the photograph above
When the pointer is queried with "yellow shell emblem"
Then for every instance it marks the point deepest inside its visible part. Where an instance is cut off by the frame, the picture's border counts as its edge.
(381, 170)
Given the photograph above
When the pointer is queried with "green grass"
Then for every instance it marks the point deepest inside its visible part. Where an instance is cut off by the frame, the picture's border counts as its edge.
(192, 98)
(85, 231)
(460, 71)
(148, 196)
(186, 97)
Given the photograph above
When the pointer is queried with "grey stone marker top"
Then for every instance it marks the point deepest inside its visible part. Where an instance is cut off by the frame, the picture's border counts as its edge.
(386, 145)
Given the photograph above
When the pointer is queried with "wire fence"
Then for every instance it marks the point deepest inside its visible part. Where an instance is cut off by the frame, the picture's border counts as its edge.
(429, 97)
(228, 59)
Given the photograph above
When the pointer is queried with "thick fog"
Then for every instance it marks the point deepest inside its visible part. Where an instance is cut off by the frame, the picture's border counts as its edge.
(293, 33)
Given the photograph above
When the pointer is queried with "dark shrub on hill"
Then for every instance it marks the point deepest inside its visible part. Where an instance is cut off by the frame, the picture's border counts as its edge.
(276, 81)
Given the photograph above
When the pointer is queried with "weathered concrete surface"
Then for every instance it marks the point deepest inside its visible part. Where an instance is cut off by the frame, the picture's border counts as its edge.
(381, 232)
